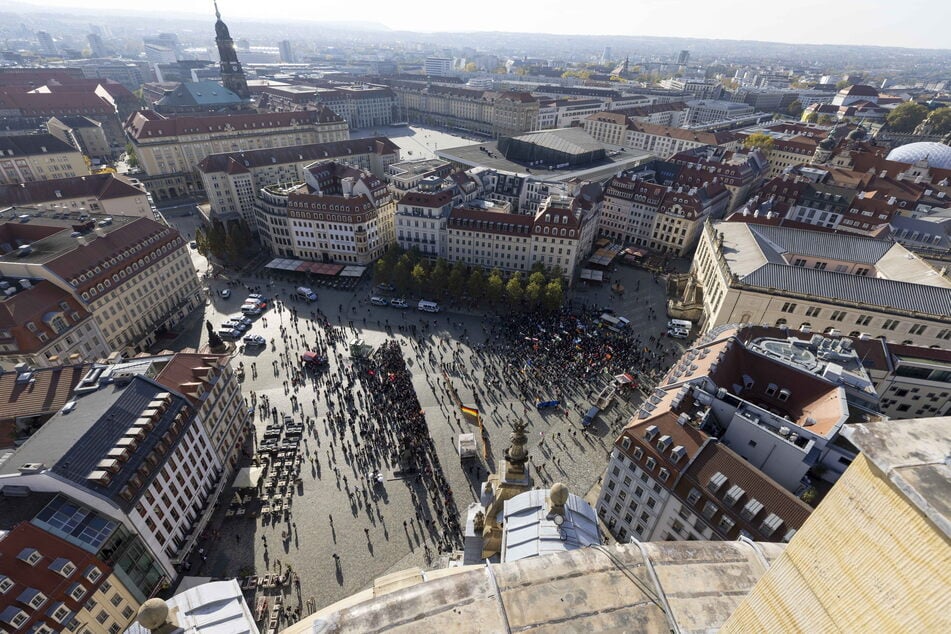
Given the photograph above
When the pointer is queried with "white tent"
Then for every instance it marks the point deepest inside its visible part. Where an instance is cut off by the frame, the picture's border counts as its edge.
(248, 478)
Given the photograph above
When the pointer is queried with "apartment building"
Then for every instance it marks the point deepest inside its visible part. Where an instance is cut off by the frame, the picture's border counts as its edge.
(44, 325)
(565, 112)
(661, 206)
(740, 172)
(169, 150)
(51, 584)
(437, 66)
(560, 234)
(134, 452)
(703, 111)
(85, 134)
(421, 221)
(338, 214)
(133, 275)
(746, 273)
(360, 105)
(106, 194)
(38, 157)
(664, 141)
(491, 113)
(231, 179)
(726, 441)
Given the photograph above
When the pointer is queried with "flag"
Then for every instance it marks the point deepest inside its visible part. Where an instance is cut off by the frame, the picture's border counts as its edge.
(471, 411)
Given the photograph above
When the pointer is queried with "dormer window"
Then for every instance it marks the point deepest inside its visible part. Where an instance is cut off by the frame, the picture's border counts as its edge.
(30, 556)
(62, 566)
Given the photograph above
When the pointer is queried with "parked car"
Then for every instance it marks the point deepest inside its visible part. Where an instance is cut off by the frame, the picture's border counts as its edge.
(377, 301)
(193, 244)
(251, 310)
(229, 333)
(257, 297)
(241, 318)
(678, 333)
(254, 340)
(236, 325)
(399, 303)
(386, 287)
(225, 293)
(307, 294)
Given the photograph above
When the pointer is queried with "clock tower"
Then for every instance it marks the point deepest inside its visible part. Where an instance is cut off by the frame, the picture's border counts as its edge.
(232, 77)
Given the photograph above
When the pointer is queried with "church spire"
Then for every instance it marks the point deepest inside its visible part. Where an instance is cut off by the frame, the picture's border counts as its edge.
(217, 12)
(232, 76)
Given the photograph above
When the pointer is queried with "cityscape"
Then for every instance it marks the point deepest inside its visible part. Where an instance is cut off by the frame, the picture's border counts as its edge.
(391, 322)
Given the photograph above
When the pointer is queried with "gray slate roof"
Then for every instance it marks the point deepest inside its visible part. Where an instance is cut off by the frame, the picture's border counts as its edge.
(853, 288)
(820, 244)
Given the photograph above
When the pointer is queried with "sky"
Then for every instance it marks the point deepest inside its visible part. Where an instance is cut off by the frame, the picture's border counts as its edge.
(909, 23)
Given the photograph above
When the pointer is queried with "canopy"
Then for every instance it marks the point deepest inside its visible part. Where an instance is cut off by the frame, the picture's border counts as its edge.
(309, 357)
(248, 478)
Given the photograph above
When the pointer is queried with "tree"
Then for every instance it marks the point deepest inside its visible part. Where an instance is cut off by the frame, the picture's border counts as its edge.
(439, 278)
(402, 274)
(839, 85)
(533, 293)
(554, 296)
(131, 157)
(824, 119)
(940, 121)
(456, 284)
(475, 285)
(514, 291)
(812, 117)
(420, 277)
(381, 272)
(795, 109)
(471, 67)
(538, 277)
(906, 117)
(201, 242)
(759, 140)
(494, 287)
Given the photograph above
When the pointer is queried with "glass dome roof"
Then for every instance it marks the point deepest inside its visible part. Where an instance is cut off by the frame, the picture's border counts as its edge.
(937, 154)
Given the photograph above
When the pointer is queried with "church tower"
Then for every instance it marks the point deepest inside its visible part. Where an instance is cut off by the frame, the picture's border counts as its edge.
(232, 77)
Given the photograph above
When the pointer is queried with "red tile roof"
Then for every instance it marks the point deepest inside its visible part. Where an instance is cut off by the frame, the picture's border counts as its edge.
(46, 393)
(150, 124)
(99, 186)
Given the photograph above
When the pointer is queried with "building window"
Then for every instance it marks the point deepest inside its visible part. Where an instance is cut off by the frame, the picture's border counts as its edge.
(837, 315)
(788, 307)
(917, 329)
(726, 524)
(890, 324)
(651, 463)
(863, 320)
(693, 496)
(709, 510)
(813, 311)
(638, 453)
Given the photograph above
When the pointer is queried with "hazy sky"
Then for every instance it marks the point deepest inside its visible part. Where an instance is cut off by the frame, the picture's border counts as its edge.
(912, 23)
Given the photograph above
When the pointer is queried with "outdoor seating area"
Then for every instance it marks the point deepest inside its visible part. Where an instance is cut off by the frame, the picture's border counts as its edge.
(338, 276)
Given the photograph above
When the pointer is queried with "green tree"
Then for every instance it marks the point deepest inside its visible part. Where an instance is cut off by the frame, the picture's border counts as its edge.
(759, 140)
(533, 293)
(420, 278)
(131, 157)
(471, 67)
(906, 117)
(475, 285)
(201, 242)
(537, 277)
(940, 121)
(824, 119)
(456, 284)
(554, 296)
(402, 275)
(514, 291)
(494, 287)
(439, 278)
(812, 117)
(839, 85)
(795, 109)
(382, 272)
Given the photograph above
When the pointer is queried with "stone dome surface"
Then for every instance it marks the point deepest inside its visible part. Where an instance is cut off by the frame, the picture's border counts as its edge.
(937, 154)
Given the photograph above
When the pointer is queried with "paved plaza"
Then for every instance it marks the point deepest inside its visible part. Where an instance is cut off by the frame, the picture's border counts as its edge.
(368, 534)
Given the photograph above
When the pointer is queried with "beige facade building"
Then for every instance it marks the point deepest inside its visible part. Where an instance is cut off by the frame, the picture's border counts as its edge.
(487, 112)
(83, 133)
(133, 275)
(614, 128)
(231, 180)
(338, 214)
(822, 282)
(38, 157)
(104, 194)
(169, 150)
(560, 234)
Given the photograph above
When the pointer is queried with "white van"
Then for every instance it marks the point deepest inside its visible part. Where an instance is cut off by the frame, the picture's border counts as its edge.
(682, 324)
(429, 307)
